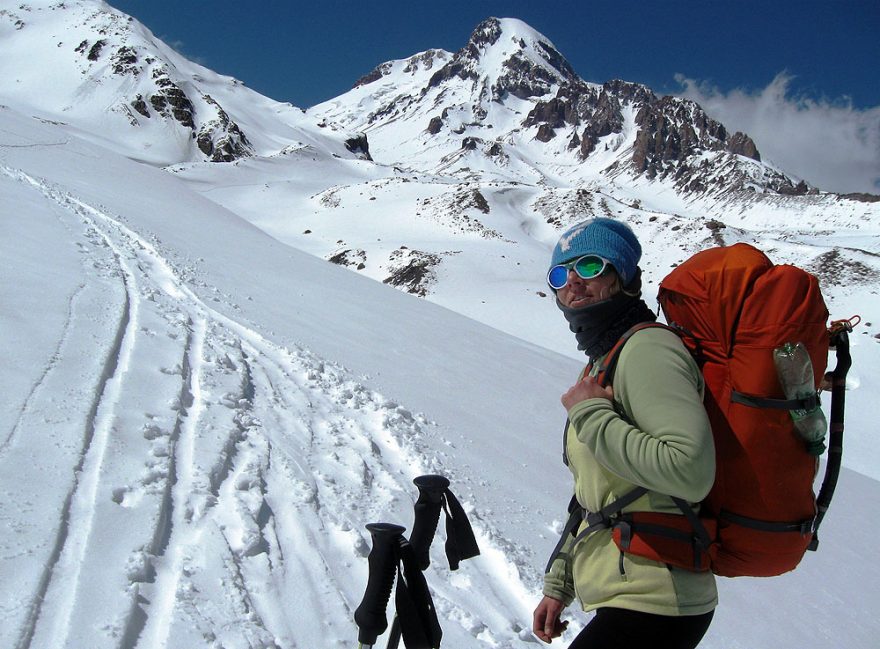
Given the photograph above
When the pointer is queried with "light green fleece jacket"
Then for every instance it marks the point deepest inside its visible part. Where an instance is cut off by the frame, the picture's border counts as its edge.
(656, 436)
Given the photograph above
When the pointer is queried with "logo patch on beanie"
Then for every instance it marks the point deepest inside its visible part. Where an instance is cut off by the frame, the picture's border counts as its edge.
(565, 241)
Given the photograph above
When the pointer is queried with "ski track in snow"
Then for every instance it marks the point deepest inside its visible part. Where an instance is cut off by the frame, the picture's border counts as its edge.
(42, 378)
(252, 461)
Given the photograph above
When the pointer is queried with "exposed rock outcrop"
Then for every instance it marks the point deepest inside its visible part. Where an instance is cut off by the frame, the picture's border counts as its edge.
(359, 146)
(356, 259)
(221, 139)
(412, 270)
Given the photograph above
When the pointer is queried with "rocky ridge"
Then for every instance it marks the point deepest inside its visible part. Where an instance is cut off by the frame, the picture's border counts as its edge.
(671, 140)
(162, 93)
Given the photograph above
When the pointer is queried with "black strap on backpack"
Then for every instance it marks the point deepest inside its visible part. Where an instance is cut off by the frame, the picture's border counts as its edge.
(839, 335)
(840, 342)
(604, 518)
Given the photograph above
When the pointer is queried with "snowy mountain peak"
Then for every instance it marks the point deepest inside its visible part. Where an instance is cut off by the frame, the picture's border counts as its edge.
(509, 100)
(101, 71)
(509, 57)
(104, 58)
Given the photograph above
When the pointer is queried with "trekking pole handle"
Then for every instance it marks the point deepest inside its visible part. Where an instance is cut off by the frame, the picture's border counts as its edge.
(427, 515)
(383, 558)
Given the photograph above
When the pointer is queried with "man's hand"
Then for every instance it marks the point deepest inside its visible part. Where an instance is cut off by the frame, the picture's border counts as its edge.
(545, 622)
(586, 388)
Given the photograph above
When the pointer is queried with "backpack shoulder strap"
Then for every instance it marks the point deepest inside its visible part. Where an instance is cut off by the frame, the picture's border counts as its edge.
(605, 375)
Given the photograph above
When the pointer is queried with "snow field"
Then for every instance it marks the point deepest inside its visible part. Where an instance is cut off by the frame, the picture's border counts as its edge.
(222, 423)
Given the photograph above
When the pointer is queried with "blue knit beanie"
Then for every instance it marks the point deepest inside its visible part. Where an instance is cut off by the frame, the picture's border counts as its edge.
(610, 239)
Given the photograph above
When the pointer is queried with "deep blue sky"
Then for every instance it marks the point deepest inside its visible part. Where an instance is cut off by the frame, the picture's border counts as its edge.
(307, 52)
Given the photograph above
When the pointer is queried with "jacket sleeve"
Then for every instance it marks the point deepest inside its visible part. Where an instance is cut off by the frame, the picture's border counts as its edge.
(663, 441)
(559, 580)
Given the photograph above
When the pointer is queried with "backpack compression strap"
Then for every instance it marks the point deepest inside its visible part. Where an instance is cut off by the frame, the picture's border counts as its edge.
(840, 341)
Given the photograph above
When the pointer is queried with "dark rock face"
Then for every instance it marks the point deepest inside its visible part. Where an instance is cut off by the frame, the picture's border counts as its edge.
(742, 144)
(523, 79)
(450, 71)
(554, 113)
(671, 131)
(435, 125)
(425, 59)
(95, 52)
(554, 58)
(125, 61)
(479, 201)
(356, 259)
(140, 106)
(788, 189)
(606, 118)
(862, 197)
(471, 143)
(221, 139)
(545, 133)
(374, 75)
(486, 33)
(576, 104)
(171, 99)
(412, 270)
(359, 146)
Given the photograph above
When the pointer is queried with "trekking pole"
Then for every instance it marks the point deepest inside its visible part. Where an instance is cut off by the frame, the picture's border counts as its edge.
(427, 516)
(840, 341)
(383, 560)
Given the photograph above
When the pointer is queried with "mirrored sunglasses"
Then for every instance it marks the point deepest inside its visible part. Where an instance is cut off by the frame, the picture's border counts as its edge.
(586, 267)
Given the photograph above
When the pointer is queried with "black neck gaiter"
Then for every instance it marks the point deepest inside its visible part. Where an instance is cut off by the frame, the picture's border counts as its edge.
(598, 326)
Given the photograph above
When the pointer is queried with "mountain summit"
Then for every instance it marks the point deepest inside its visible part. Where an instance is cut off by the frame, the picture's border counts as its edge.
(506, 56)
(93, 67)
(512, 100)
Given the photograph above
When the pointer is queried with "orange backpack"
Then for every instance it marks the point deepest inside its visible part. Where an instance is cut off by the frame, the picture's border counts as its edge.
(732, 307)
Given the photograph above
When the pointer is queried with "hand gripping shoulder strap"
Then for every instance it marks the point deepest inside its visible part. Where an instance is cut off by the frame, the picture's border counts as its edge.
(605, 373)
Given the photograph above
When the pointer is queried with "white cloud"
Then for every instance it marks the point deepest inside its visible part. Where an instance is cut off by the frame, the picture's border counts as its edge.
(830, 144)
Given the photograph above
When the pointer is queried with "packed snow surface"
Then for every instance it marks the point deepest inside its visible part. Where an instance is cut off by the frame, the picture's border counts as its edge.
(199, 421)
(199, 414)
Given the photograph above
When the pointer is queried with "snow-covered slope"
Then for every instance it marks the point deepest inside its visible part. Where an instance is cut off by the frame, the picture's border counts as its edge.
(199, 421)
(199, 418)
(192, 448)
